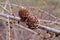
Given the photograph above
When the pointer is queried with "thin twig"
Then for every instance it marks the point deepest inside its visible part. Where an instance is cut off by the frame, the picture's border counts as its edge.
(49, 29)
(25, 28)
(6, 4)
(8, 28)
(10, 16)
(4, 8)
(10, 7)
(58, 19)
(42, 11)
(48, 21)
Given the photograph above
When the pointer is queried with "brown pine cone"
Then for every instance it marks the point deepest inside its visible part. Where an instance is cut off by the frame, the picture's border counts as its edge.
(32, 22)
(23, 13)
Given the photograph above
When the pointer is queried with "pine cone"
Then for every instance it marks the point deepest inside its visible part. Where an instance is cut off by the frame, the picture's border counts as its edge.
(32, 22)
(23, 13)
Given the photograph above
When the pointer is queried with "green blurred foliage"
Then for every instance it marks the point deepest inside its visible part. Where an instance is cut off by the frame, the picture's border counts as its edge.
(0, 9)
(2, 0)
(15, 8)
(53, 2)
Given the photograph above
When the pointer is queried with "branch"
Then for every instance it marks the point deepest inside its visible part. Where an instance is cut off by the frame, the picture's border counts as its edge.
(11, 4)
(49, 29)
(8, 28)
(41, 26)
(6, 3)
(4, 8)
(9, 16)
(10, 7)
(58, 19)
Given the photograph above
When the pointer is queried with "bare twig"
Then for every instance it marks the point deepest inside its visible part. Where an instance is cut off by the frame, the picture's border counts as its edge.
(8, 28)
(58, 19)
(49, 29)
(10, 7)
(4, 8)
(6, 4)
(48, 21)
(10, 16)
(11, 4)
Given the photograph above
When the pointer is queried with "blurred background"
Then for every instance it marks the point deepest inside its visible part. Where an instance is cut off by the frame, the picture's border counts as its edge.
(50, 6)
